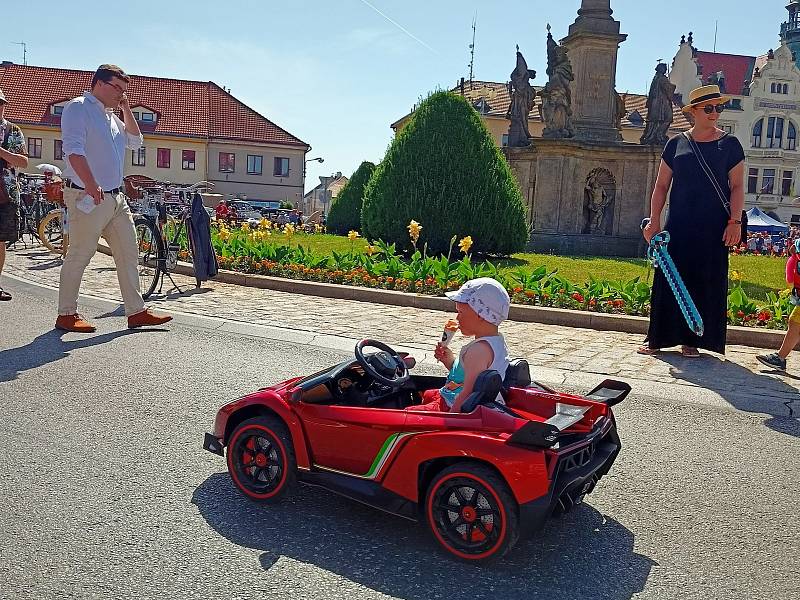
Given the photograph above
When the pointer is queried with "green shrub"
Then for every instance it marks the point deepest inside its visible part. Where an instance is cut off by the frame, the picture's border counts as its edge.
(444, 171)
(345, 212)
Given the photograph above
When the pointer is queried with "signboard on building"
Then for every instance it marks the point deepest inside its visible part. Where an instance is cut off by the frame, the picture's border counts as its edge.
(793, 106)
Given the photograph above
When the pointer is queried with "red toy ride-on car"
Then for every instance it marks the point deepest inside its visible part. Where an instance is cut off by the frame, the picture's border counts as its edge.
(478, 479)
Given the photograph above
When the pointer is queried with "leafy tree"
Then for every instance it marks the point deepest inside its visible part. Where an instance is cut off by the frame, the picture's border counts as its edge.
(345, 212)
(445, 171)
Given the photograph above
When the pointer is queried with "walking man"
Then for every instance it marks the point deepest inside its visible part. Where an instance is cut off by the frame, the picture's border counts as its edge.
(13, 156)
(94, 143)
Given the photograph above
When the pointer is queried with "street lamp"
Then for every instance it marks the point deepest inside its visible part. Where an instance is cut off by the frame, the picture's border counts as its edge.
(318, 159)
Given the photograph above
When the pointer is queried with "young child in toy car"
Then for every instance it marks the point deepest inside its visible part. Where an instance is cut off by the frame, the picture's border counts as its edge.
(482, 304)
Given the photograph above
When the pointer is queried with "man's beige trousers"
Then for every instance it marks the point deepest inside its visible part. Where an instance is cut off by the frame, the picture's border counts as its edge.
(113, 220)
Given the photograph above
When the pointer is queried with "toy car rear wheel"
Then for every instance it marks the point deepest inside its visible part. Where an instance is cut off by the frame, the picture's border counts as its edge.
(261, 459)
(472, 513)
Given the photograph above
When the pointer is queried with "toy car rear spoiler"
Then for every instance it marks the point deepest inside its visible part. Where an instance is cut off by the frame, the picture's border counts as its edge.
(545, 434)
(611, 392)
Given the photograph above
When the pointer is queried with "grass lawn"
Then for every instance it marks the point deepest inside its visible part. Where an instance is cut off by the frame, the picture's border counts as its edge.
(760, 274)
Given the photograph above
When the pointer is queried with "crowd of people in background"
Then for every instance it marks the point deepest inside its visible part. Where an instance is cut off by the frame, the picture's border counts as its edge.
(770, 244)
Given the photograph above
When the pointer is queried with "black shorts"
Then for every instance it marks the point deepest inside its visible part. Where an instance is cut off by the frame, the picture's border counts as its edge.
(9, 222)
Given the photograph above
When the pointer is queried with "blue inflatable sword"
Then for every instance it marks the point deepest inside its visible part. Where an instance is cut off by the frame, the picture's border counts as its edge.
(658, 254)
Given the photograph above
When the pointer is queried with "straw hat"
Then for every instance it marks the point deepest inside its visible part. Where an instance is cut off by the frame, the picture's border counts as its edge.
(702, 95)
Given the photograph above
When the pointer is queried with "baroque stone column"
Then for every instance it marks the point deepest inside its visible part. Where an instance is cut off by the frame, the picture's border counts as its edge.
(592, 43)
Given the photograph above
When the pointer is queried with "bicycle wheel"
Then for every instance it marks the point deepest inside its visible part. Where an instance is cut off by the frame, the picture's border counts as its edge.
(191, 253)
(151, 255)
(51, 232)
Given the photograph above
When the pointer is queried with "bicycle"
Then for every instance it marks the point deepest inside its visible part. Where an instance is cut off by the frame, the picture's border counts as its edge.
(34, 205)
(161, 238)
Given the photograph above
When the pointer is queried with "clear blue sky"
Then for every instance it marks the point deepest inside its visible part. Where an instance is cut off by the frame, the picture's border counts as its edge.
(336, 73)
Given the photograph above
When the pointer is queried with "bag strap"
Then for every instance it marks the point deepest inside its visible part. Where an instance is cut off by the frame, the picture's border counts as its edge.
(707, 170)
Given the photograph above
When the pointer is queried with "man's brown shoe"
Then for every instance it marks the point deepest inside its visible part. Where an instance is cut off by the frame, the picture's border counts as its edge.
(146, 319)
(74, 323)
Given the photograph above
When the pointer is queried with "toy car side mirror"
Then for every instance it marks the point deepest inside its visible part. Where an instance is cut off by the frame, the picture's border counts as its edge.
(410, 361)
(295, 394)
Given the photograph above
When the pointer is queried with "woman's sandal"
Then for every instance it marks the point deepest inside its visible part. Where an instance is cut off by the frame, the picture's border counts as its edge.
(647, 351)
(689, 352)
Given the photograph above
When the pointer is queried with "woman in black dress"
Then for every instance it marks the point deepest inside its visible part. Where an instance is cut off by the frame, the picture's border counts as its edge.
(700, 227)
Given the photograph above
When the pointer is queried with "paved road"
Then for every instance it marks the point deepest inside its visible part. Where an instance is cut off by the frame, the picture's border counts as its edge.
(106, 493)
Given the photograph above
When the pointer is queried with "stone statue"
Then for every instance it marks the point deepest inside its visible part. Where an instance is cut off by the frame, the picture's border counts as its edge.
(599, 192)
(659, 108)
(522, 99)
(556, 96)
(621, 109)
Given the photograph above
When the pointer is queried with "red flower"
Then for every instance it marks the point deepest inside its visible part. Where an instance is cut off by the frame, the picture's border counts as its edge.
(740, 314)
(764, 315)
(577, 297)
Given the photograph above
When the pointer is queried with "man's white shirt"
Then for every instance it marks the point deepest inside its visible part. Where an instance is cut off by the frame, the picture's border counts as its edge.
(89, 129)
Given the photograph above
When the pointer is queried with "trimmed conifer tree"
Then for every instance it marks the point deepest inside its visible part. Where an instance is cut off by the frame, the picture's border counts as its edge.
(345, 212)
(444, 171)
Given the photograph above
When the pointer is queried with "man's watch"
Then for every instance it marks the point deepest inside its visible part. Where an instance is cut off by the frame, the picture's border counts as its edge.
(732, 221)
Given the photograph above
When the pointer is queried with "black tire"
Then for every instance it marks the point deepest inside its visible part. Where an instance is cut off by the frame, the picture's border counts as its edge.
(150, 248)
(261, 460)
(472, 513)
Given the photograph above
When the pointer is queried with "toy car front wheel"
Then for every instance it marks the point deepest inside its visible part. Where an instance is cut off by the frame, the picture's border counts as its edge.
(261, 459)
(472, 513)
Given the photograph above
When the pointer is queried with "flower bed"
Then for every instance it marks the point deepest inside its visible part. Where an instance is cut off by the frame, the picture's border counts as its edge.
(265, 250)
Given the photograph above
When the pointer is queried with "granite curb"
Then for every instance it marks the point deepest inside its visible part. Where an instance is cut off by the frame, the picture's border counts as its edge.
(741, 336)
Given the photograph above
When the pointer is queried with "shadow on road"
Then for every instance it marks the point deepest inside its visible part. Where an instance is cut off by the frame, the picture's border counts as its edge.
(582, 555)
(48, 348)
(750, 391)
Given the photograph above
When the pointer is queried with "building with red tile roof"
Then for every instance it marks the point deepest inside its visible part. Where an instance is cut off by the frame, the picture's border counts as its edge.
(193, 130)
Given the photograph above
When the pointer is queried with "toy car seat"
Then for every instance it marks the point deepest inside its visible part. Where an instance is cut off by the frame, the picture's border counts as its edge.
(518, 374)
(487, 385)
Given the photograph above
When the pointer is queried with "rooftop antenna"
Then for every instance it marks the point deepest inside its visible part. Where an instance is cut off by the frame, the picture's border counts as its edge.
(472, 49)
(716, 26)
(24, 52)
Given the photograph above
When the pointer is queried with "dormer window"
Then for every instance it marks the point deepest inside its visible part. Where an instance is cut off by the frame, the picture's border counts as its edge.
(144, 115)
(57, 109)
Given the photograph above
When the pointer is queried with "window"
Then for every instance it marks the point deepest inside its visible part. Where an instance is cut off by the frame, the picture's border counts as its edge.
(768, 181)
(148, 117)
(752, 181)
(35, 147)
(791, 137)
(227, 162)
(162, 158)
(138, 157)
(728, 128)
(785, 88)
(137, 115)
(774, 132)
(58, 150)
(57, 110)
(786, 183)
(504, 140)
(254, 164)
(755, 141)
(187, 159)
(772, 88)
(281, 168)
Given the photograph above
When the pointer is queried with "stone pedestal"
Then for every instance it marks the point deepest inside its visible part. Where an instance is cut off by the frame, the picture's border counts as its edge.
(592, 46)
(558, 179)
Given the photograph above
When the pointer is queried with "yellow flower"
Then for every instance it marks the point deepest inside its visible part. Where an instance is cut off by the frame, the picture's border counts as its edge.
(371, 250)
(264, 224)
(318, 228)
(288, 229)
(465, 244)
(736, 276)
(413, 230)
(245, 226)
(224, 234)
(352, 235)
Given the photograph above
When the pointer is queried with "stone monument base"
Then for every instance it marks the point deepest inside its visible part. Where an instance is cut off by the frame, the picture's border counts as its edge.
(586, 197)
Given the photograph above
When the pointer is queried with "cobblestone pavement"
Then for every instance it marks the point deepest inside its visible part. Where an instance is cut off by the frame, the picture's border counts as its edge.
(557, 348)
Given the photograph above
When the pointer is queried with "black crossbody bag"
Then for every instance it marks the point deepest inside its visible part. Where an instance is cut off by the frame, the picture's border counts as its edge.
(726, 203)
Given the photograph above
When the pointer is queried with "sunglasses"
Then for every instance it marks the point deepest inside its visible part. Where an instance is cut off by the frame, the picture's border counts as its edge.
(710, 108)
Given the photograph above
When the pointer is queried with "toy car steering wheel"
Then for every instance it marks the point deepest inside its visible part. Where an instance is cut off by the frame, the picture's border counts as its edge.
(390, 370)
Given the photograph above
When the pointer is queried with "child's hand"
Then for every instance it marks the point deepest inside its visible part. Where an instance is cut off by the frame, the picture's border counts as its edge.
(444, 355)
